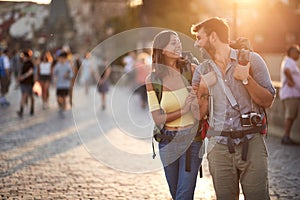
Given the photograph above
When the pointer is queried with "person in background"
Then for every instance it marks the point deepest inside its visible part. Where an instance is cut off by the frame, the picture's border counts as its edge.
(87, 72)
(143, 69)
(15, 66)
(290, 91)
(103, 83)
(77, 64)
(44, 75)
(5, 76)
(26, 80)
(129, 62)
(63, 74)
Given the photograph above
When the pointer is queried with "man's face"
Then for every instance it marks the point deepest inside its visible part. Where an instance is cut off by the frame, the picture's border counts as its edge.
(203, 41)
(173, 48)
(201, 38)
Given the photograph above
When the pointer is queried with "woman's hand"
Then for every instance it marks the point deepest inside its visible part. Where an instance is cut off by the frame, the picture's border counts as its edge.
(187, 105)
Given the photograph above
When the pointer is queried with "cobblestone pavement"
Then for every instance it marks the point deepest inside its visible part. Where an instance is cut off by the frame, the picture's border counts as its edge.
(43, 157)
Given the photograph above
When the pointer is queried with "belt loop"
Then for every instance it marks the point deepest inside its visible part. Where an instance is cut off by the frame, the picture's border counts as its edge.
(230, 145)
(245, 148)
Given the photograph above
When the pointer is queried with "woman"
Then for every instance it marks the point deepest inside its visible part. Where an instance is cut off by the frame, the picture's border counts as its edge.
(183, 146)
(44, 74)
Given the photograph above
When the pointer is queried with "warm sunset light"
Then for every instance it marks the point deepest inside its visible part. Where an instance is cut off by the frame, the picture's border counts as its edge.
(35, 1)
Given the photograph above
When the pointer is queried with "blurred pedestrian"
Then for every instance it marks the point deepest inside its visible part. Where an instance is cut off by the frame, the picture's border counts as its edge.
(238, 96)
(179, 143)
(63, 74)
(77, 64)
(26, 80)
(129, 62)
(290, 91)
(15, 66)
(103, 83)
(142, 70)
(5, 76)
(44, 75)
(87, 72)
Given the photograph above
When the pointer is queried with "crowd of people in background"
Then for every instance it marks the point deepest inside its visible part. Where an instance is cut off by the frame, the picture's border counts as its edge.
(34, 73)
(137, 66)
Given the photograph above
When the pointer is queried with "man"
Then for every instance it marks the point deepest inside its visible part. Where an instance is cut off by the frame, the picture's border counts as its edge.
(63, 74)
(290, 91)
(237, 98)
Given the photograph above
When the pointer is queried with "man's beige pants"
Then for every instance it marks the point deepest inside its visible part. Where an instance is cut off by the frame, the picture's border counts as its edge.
(228, 170)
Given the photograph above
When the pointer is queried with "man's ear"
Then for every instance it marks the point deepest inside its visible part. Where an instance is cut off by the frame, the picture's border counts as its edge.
(213, 37)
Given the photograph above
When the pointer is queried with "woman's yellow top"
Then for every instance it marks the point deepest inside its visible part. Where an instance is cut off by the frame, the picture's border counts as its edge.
(170, 102)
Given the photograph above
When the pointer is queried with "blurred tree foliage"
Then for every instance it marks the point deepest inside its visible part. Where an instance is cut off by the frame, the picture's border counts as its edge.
(177, 15)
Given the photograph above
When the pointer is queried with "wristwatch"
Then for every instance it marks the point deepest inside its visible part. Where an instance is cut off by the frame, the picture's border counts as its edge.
(245, 81)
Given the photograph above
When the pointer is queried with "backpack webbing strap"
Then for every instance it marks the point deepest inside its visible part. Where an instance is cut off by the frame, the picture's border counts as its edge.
(188, 160)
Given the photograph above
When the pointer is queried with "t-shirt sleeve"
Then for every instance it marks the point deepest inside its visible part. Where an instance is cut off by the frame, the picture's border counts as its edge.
(260, 72)
(196, 76)
(152, 101)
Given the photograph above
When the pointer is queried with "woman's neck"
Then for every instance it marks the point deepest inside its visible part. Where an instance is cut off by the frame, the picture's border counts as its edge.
(170, 62)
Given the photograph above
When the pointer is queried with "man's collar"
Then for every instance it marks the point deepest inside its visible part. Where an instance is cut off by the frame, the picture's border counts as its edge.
(233, 54)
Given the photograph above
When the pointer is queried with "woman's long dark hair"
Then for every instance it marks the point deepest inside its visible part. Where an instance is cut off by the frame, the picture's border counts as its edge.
(161, 40)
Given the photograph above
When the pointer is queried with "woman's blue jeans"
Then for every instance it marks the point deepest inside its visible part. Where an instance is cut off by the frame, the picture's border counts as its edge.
(181, 183)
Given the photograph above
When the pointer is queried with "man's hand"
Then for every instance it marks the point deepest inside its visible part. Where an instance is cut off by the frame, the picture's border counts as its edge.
(241, 72)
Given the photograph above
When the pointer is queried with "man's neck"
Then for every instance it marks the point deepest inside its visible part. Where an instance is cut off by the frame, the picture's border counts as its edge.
(222, 56)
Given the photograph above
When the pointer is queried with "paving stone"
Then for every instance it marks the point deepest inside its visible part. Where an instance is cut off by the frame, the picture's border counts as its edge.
(42, 157)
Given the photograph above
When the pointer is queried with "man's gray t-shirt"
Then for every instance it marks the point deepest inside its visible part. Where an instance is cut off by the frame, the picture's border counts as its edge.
(60, 70)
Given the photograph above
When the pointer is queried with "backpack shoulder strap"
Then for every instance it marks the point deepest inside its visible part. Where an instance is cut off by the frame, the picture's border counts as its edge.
(188, 75)
(205, 67)
(157, 85)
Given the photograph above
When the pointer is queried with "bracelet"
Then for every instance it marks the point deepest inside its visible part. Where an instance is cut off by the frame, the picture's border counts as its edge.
(204, 96)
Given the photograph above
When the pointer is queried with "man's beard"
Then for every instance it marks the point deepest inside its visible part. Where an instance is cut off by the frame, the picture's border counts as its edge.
(211, 50)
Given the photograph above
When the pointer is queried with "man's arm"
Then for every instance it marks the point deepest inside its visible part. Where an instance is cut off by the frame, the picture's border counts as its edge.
(259, 84)
(199, 105)
(289, 77)
(261, 96)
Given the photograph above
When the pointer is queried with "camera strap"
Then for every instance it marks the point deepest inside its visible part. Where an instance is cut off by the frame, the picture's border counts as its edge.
(225, 88)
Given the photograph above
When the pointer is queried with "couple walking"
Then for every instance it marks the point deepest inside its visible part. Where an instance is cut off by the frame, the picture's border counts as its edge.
(229, 95)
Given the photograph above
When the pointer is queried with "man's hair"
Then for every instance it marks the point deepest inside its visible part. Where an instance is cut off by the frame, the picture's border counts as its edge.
(292, 48)
(63, 54)
(215, 24)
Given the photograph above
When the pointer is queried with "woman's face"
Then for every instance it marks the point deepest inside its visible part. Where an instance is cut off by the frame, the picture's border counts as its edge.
(173, 48)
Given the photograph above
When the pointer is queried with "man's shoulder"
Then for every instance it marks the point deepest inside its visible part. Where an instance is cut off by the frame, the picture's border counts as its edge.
(288, 62)
(203, 67)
